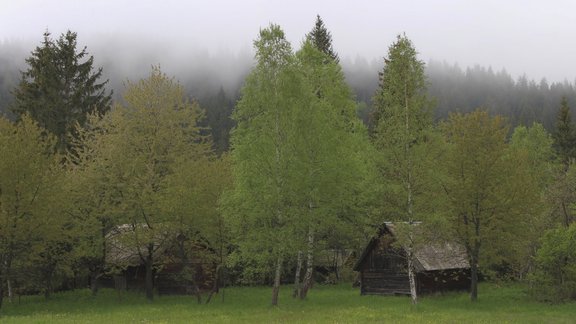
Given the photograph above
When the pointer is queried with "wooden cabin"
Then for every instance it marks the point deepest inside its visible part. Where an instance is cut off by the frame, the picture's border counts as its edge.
(124, 260)
(383, 266)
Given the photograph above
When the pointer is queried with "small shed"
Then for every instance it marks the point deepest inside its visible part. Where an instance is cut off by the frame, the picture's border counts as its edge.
(383, 266)
(123, 256)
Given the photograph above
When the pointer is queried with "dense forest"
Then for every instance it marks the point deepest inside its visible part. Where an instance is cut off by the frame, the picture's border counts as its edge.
(215, 80)
(249, 172)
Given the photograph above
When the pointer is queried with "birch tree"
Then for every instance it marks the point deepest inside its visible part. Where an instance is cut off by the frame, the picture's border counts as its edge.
(262, 154)
(28, 185)
(330, 143)
(402, 127)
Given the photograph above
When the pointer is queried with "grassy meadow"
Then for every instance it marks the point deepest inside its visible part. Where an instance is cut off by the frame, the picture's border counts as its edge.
(325, 304)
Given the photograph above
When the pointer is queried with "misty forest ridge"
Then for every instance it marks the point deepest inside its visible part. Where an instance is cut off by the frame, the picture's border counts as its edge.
(291, 168)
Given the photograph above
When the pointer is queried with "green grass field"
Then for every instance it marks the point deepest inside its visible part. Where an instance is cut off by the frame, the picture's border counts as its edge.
(325, 304)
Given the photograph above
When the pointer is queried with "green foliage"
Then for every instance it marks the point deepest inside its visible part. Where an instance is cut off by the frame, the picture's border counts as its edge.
(565, 134)
(146, 166)
(401, 98)
(404, 138)
(535, 144)
(492, 194)
(321, 39)
(60, 87)
(33, 236)
(555, 277)
(331, 149)
(538, 145)
(296, 155)
(262, 153)
(402, 132)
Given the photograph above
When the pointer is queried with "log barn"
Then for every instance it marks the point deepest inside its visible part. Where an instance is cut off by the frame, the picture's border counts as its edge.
(383, 266)
(124, 259)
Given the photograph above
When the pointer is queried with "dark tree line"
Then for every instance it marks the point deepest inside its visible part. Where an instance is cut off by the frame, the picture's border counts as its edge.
(522, 101)
(455, 89)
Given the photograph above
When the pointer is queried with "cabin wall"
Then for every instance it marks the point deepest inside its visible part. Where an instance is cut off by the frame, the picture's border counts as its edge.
(168, 281)
(443, 280)
(384, 273)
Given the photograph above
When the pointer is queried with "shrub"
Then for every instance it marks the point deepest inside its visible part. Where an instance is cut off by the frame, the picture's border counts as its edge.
(554, 279)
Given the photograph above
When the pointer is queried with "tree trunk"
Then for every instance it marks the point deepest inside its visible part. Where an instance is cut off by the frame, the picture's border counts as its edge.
(411, 276)
(98, 269)
(94, 275)
(1, 291)
(297, 285)
(474, 278)
(215, 285)
(276, 288)
(410, 202)
(149, 276)
(191, 281)
(309, 265)
(337, 254)
(5, 267)
(48, 282)
(10, 293)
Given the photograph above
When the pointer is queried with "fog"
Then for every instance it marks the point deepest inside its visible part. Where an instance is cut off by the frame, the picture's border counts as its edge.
(511, 57)
(523, 37)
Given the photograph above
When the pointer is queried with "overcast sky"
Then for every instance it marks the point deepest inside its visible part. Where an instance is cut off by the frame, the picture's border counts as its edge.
(537, 38)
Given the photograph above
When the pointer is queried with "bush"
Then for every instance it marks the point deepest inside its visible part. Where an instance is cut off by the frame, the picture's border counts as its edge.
(554, 279)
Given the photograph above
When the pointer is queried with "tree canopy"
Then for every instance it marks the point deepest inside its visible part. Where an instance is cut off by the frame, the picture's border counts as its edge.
(60, 87)
(322, 39)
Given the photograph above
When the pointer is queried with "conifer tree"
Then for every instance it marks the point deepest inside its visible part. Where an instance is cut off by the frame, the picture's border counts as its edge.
(322, 39)
(565, 134)
(60, 87)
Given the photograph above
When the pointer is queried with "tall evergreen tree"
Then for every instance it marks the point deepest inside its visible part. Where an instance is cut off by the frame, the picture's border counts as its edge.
(60, 87)
(565, 134)
(321, 38)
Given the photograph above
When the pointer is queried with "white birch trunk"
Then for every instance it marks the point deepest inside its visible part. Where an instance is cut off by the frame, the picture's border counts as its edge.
(309, 265)
(410, 248)
(411, 272)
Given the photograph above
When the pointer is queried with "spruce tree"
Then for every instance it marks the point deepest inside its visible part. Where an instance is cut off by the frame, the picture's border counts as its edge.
(565, 135)
(60, 87)
(321, 38)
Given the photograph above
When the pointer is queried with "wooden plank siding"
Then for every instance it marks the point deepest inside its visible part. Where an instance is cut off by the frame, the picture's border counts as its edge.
(385, 282)
(383, 267)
